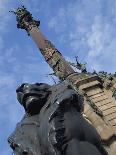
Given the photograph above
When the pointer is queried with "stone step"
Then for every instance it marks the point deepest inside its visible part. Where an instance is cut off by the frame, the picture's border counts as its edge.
(111, 116)
(104, 102)
(100, 98)
(94, 92)
(107, 106)
(97, 95)
(109, 111)
(90, 84)
(86, 80)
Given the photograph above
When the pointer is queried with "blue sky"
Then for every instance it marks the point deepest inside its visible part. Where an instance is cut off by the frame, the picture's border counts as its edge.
(86, 28)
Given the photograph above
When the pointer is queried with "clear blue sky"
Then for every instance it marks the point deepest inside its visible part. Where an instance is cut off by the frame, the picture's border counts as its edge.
(86, 28)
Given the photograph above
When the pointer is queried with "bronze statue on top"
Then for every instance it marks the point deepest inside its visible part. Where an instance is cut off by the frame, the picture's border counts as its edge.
(73, 113)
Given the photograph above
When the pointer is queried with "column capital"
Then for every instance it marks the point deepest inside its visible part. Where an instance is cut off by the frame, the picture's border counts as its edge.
(24, 19)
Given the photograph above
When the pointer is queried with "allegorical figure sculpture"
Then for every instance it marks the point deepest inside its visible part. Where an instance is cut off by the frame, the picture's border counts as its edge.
(53, 123)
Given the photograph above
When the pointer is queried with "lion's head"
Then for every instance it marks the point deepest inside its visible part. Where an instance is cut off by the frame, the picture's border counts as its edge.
(33, 96)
